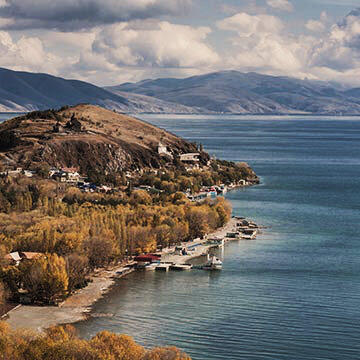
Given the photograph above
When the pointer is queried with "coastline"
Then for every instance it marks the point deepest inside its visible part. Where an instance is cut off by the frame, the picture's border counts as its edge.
(78, 306)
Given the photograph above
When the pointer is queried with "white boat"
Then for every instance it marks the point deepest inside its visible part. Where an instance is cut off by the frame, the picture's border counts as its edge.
(151, 267)
(213, 263)
(181, 267)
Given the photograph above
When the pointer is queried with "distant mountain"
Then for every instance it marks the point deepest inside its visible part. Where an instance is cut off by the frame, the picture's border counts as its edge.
(221, 92)
(23, 91)
(249, 93)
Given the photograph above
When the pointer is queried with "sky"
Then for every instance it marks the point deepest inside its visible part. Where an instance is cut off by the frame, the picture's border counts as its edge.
(108, 42)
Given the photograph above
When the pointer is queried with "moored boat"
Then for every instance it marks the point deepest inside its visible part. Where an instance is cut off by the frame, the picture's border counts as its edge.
(213, 263)
(181, 267)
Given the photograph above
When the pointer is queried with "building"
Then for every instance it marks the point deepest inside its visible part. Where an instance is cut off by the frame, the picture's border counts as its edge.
(29, 173)
(190, 157)
(69, 175)
(16, 257)
(13, 258)
(27, 255)
(162, 150)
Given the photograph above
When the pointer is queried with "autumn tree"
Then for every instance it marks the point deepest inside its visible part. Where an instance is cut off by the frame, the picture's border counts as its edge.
(77, 267)
(45, 278)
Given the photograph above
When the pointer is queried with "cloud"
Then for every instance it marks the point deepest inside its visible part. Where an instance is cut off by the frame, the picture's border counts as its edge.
(246, 25)
(27, 53)
(260, 45)
(155, 44)
(315, 26)
(318, 25)
(340, 48)
(283, 5)
(67, 15)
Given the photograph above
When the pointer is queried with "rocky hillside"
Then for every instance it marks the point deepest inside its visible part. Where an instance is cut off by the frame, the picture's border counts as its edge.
(86, 137)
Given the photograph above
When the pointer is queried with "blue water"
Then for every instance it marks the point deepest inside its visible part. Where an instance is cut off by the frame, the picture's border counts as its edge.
(294, 293)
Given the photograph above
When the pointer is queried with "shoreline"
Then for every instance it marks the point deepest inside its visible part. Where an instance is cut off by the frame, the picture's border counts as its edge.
(78, 306)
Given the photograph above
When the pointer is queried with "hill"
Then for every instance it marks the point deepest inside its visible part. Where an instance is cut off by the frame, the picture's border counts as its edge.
(87, 137)
(249, 93)
(24, 91)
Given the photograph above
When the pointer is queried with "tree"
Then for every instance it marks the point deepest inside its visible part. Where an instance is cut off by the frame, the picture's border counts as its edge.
(167, 353)
(116, 347)
(140, 197)
(45, 278)
(101, 249)
(77, 267)
(196, 216)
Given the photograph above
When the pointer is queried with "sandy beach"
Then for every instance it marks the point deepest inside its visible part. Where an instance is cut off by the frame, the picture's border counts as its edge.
(78, 306)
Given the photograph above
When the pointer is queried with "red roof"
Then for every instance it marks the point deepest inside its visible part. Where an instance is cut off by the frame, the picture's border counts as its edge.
(30, 255)
(148, 257)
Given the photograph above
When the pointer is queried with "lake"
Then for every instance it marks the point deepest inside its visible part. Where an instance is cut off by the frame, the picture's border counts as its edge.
(292, 294)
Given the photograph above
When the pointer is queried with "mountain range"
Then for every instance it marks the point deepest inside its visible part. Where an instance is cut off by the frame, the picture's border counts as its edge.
(230, 92)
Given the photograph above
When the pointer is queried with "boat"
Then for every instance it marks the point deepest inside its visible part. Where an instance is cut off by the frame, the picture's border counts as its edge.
(249, 234)
(181, 267)
(213, 263)
(151, 267)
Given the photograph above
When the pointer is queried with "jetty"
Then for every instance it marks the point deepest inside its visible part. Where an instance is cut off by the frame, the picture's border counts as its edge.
(178, 257)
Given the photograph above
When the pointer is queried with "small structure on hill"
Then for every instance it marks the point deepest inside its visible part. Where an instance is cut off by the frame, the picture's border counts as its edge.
(191, 160)
(162, 150)
(190, 157)
(73, 124)
(13, 258)
(16, 257)
(28, 255)
(69, 175)
(58, 128)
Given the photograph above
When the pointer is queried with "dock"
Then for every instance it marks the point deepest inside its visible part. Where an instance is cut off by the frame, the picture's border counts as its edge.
(178, 257)
(163, 267)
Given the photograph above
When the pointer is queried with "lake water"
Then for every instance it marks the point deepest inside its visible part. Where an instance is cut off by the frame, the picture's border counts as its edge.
(292, 294)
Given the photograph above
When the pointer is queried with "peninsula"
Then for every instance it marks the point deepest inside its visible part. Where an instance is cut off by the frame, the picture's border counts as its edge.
(84, 189)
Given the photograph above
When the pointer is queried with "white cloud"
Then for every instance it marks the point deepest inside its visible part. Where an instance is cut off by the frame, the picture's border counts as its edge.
(260, 45)
(26, 54)
(318, 25)
(246, 25)
(283, 5)
(315, 25)
(155, 44)
(340, 48)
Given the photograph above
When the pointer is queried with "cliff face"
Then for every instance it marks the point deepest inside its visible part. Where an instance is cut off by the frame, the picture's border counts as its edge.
(86, 137)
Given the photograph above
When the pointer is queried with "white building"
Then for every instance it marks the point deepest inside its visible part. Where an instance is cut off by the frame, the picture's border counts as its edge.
(162, 150)
(190, 157)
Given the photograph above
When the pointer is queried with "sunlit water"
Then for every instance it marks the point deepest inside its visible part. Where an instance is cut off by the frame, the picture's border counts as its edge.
(292, 294)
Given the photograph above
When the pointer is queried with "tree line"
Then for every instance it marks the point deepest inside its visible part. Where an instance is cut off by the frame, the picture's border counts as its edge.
(78, 232)
(61, 343)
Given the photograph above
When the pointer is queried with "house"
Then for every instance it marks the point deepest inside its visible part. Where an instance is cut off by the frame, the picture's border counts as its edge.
(16, 257)
(190, 157)
(53, 171)
(29, 173)
(162, 150)
(69, 175)
(13, 258)
(15, 172)
(27, 255)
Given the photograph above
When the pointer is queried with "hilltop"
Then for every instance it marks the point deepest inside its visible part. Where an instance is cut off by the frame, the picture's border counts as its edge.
(89, 138)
